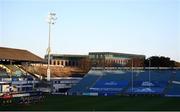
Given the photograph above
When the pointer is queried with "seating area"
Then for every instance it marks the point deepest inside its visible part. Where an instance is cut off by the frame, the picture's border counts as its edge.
(15, 71)
(3, 73)
(150, 82)
(12, 79)
(111, 83)
(155, 75)
(116, 82)
(84, 84)
(177, 75)
(102, 82)
(174, 88)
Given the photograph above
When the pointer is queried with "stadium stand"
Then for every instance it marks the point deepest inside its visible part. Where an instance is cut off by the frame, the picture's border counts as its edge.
(116, 82)
(16, 83)
(102, 83)
(3, 73)
(111, 83)
(15, 71)
(173, 89)
(85, 83)
(150, 82)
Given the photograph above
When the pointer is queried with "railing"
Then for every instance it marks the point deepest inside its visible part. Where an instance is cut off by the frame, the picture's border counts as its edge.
(135, 68)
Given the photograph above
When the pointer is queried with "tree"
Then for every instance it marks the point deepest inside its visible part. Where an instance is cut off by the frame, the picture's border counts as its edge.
(161, 61)
(85, 64)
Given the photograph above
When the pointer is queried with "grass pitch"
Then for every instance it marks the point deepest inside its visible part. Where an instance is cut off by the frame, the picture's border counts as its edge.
(92, 103)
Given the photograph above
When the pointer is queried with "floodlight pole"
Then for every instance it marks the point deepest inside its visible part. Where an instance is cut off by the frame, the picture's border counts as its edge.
(49, 50)
(51, 19)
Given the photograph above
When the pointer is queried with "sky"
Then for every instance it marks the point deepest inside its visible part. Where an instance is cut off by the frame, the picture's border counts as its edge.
(148, 27)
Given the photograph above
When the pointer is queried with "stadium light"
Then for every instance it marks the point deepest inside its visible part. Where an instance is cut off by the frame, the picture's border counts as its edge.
(51, 21)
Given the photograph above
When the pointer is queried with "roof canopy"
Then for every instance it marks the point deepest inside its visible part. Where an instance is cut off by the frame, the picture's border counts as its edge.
(18, 55)
(116, 54)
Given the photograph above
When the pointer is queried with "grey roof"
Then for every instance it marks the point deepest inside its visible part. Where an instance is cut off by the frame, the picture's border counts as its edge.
(119, 54)
(68, 55)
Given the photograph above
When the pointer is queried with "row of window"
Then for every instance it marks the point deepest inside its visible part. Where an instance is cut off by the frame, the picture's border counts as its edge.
(64, 63)
(120, 61)
(100, 56)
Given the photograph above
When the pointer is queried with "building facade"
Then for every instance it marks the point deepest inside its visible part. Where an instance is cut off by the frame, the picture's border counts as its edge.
(66, 60)
(111, 59)
(97, 59)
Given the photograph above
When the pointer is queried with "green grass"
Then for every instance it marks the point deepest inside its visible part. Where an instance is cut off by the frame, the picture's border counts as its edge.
(101, 103)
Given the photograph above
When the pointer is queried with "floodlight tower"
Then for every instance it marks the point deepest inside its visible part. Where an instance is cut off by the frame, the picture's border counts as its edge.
(51, 21)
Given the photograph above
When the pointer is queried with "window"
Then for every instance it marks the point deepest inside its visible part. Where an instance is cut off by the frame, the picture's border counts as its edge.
(66, 63)
(58, 63)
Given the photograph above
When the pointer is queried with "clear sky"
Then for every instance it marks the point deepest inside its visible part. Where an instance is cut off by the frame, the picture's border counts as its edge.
(149, 27)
